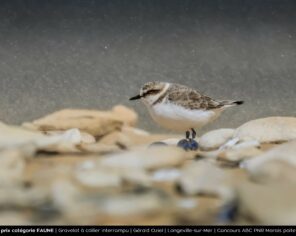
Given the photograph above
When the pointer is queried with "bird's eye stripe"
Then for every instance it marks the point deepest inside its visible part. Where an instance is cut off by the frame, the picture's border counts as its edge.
(154, 91)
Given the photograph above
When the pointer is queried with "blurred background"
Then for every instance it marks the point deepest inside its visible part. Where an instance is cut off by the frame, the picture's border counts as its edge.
(97, 53)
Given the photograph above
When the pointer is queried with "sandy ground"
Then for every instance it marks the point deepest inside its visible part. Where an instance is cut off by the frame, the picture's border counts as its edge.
(95, 54)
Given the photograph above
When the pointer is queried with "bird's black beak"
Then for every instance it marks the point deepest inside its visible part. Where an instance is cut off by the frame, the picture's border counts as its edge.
(135, 97)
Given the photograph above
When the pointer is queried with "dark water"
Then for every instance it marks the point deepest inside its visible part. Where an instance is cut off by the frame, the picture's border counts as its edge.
(95, 54)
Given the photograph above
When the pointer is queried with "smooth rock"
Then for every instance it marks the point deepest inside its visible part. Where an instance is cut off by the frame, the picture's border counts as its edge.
(87, 138)
(97, 177)
(171, 141)
(246, 145)
(144, 204)
(203, 178)
(151, 158)
(65, 141)
(274, 171)
(64, 196)
(125, 114)
(99, 148)
(77, 205)
(91, 174)
(284, 152)
(188, 203)
(235, 156)
(13, 136)
(135, 177)
(278, 163)
(44, 170)
(129, 137)
(166, 175)
(14, 218)
(235, 144)
(19, 197)
(96, 123)
(12, 166)
(215, 138)
(270, 129)
(201, 210)
(25, 140)
(75, 135)
(117, 138)
(272, 204)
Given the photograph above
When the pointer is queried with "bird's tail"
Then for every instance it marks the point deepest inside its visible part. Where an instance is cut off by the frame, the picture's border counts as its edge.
(228, 103)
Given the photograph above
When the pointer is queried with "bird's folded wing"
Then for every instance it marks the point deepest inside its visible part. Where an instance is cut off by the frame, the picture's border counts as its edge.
(191, 99)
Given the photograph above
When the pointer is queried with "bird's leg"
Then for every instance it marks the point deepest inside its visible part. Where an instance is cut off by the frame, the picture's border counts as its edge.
(187, 134)
(193, 133)
(193, 145)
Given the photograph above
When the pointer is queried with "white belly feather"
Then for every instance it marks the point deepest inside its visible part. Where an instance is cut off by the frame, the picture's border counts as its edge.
(178, 118)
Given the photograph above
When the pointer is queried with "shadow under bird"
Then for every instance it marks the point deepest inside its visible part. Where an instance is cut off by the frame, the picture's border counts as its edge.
(180, 108)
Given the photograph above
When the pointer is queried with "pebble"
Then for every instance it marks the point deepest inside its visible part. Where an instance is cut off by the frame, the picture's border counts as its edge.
(166, 175)
(215, 139)
(188, 145)
(269, 129)
(152, 158)
(94, 167)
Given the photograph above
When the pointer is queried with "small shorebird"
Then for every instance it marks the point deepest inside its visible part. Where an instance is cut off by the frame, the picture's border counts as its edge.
(180, 108)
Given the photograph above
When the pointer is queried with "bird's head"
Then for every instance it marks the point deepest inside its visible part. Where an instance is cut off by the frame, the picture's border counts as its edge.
(151, 92)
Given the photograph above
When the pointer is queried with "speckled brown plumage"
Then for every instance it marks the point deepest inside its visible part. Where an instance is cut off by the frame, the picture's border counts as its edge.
(191, 99)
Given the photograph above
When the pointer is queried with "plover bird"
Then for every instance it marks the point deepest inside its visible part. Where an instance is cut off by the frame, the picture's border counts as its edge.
(180, 108)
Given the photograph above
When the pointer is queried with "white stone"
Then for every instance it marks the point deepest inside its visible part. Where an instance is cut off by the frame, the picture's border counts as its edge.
(146, 158)
(96, 177)
(166, 175)
(285, 152)
(215, 138)
(270, 129)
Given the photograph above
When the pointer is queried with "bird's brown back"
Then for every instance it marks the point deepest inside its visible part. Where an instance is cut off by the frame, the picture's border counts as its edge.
(190, 98)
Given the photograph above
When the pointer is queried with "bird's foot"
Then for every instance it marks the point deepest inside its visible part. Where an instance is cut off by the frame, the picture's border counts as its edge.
(185, 144)
(193, 144)
(188, 144)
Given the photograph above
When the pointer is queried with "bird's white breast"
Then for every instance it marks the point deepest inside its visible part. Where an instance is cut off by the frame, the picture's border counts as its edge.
(178, 118)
